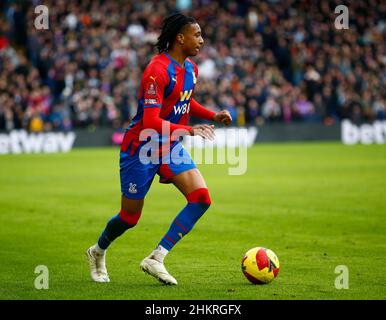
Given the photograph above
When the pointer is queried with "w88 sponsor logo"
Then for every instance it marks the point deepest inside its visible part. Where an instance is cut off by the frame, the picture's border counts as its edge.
(182, 109)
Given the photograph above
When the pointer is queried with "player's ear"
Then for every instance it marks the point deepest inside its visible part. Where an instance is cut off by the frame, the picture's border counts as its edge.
(180, 38)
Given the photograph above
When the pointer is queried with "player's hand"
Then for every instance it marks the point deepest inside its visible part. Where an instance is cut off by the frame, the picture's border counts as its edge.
(203, 130)
(223, 117)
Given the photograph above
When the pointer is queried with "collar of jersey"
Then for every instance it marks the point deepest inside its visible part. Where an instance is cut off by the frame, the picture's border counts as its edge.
(175, 61)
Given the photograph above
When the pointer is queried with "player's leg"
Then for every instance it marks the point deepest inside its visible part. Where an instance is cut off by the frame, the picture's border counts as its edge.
(193, 187)
(127, 218)
(136, 179)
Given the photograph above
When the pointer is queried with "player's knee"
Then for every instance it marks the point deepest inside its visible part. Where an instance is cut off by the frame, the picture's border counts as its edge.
(201, 196)
(131, 218)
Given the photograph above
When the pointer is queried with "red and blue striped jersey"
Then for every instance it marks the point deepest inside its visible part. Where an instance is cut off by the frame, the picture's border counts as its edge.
(166, 85)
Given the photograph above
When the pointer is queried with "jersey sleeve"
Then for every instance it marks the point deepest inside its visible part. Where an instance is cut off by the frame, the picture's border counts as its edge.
(152, 119)
(154, 81)
(199, 111)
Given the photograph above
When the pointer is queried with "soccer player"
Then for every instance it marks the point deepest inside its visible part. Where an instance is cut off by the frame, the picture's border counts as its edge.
(165, 101)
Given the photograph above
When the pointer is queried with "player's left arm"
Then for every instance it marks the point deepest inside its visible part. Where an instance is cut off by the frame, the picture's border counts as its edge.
(199, 111)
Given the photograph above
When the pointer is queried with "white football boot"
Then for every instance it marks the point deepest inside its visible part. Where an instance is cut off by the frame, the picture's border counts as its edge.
(97, 265)
(153, 265)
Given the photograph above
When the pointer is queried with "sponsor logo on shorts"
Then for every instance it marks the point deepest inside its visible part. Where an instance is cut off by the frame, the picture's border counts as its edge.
(132, 188)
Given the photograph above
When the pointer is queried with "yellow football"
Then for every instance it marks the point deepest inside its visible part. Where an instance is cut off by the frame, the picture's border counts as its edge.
(260, 265)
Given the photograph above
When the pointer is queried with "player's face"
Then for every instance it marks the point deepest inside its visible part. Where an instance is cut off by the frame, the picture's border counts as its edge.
(193, 40)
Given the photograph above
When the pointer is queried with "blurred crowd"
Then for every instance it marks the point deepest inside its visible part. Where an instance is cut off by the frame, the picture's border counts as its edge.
(264, 61)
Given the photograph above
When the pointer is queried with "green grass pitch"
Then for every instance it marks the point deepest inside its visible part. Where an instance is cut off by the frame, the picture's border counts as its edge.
(316, 205)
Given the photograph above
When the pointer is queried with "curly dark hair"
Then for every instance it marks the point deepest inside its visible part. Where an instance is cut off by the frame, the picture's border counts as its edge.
(171, 26)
